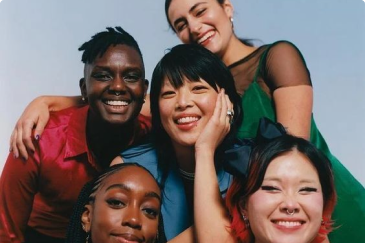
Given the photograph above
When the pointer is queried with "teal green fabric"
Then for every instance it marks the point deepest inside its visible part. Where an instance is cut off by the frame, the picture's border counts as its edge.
(349, 214)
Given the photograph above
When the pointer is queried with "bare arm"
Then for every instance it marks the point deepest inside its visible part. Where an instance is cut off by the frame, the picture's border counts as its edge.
(294, 109)
(187, 236)
(211, 220)
(288, 78)
(35, 116)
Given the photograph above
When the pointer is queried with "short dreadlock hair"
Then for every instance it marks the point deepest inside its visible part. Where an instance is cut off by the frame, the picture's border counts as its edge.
(100, 42)
(75, 232)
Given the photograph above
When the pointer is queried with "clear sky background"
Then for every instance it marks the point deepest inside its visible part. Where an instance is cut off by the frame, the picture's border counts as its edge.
(39, 41)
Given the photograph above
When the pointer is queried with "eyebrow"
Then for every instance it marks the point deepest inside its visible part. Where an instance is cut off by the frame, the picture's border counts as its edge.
(279, 180)
(122, 186)
(190, 10)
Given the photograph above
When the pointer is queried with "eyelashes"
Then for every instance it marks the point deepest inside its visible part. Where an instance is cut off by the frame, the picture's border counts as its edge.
(277, 189)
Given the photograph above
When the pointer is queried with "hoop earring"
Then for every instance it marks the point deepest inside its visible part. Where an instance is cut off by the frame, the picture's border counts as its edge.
(246, 221)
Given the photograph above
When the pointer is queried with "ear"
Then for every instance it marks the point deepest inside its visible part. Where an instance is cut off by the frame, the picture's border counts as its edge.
(82, 85)
(228, 8)
(242, 207)
(86, 218)
(146, 84)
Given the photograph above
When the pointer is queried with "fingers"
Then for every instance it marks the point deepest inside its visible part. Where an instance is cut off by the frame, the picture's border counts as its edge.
(41, 124)
(13, 147)
(22, 151)
(27, 136)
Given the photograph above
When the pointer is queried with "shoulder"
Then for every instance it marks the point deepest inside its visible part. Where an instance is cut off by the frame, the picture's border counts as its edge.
(284, 49)
(63, 117)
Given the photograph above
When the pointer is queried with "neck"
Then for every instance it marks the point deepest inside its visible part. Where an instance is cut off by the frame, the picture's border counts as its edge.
(235, 51)
(185, 157)
(106, 141)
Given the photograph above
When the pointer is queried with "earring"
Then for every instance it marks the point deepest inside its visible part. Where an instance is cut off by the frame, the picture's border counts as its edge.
(247, 222)
(83, 98)
(231, 19)
(87, 237)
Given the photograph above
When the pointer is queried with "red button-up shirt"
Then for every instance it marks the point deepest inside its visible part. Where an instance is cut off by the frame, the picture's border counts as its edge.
(41, 191)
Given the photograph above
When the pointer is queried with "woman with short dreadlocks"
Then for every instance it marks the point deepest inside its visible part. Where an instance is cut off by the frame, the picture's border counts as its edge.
(37, 195)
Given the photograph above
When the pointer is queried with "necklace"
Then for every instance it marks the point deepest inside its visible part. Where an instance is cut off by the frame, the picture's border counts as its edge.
(187, 175)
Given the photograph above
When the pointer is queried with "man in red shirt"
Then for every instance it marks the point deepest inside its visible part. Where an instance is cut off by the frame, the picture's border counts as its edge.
(37, 195)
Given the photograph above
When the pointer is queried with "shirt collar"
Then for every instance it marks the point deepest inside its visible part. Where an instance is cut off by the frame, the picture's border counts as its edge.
(76, 143)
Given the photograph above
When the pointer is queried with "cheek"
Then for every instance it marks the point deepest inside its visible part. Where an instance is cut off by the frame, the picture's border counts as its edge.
(259, 207)
(313, 206)
(150, 229)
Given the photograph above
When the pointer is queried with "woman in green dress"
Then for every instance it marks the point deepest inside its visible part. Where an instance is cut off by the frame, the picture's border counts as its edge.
(274, 82)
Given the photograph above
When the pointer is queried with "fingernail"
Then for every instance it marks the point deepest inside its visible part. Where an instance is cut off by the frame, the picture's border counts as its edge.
(37, 137)
(10, 150)
(15, 156)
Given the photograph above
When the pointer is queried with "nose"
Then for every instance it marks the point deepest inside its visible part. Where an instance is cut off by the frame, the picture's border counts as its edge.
(117, 86)
(132, 217)
(183, 99)
(290, 205)
(195, 26)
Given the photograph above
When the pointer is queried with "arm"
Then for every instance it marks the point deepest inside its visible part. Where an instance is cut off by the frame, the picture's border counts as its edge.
(294, 109)
(187, 236)
(289, 80)
(36, 115)
(18, 185)
(211, 220)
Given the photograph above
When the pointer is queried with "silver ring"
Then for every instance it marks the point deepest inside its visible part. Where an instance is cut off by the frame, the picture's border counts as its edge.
(290, 213)
(117, 93)
(230, 113)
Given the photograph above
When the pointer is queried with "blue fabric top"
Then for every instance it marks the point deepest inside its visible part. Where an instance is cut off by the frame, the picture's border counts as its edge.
(175, 212)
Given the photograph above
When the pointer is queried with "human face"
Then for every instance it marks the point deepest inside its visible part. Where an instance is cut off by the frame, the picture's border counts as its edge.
(115, 85)
(126, 208)
(186, 110)
(205, 22)
(291, 184)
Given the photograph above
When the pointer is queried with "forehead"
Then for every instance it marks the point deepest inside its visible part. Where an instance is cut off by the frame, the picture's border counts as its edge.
(120, 55)
(136, 178)
(179, 7)
(177, 82)
(292, 166)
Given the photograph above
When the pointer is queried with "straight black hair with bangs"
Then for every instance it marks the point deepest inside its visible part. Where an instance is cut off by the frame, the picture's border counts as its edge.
(192, 63)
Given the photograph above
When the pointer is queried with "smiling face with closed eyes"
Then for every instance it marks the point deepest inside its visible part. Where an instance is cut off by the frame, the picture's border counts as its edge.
(288, 206)
(126, 208)
(204, 22)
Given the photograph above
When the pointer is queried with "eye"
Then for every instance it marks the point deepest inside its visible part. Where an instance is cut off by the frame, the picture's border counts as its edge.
(115, 203)
(150, 212)
(270, 188)
(168, 94)
(132, 77)
(102, 76)
(199, 88)
(180, 26)
(305, 190)
(200, 12)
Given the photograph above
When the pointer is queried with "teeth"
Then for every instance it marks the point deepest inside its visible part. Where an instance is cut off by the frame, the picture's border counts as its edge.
(289, 223)
(205, 37)
(187, 119)
(116, 102)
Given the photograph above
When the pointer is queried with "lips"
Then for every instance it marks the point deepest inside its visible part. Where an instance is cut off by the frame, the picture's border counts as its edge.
(186, 120)
(288, 224)
(128, 238)
(116, 102)
(201, 40)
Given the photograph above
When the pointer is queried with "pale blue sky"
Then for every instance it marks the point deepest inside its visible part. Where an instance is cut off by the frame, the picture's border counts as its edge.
(39, 41)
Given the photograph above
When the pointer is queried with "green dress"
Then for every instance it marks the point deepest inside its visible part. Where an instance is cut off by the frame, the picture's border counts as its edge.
(279, 65)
